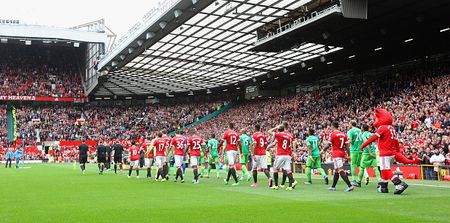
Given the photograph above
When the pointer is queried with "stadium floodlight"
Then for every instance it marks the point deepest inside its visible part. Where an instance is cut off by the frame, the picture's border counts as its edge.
(351, 56)
(225, 89)
(162, 24)
(322, 59)
(3, 40)
(264, 81)
(292, 73)
(330, 62)
(276, 78)
(444, 30)
(409, 40)
(254, 79)
(114, 63)
(149, 35)
(303, 64)
(128, 98)
(130, 50)
(98, 98)
(122, 57)
(285, 70)
(310, 68)
(377, 49)
(191, 93)
(208, 91)
(177, 13)
(238, 88)
(139, 42)
(28, 42)
(150, 96)
(76, 44)
(107, 98)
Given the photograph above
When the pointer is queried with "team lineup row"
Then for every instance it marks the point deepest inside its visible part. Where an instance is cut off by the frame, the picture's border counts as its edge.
(356, 146)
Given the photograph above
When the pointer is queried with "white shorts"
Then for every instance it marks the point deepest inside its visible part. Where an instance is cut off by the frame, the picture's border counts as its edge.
(160, 161)
(148, 162)
(134, 163)
(282, 162)
(231, 155)
(338, 163)
(178, 160)
(194, 160)
(260, 162)
(386, 162)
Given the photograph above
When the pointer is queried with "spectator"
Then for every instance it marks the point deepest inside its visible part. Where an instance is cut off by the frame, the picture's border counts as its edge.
(8, 157)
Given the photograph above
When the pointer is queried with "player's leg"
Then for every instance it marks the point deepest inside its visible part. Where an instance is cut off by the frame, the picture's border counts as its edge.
(309, 164)
(354, 164)
(276, 166)
(130, 170)
(374, 165)
(255, 165)
(194, 165)
(232, 162)
(288, 168)
(137, 169)
(244, 160)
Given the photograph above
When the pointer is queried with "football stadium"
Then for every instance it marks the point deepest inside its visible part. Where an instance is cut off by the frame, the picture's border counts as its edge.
(225, 111)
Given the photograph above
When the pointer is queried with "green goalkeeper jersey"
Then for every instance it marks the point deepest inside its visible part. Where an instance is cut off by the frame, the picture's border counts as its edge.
(313, 142)
(354, 135)
(213, 144)
(365, 136)
(245, 143)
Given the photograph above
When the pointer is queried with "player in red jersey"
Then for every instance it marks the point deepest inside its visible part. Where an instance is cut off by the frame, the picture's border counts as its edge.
(134, 155)
(231, 137)
(258, 149)
(159, 145)
(167, 139)
(178, 144)
(388, 147)
(339, 151)
(285, 143)
(149, 157)
(194, 145)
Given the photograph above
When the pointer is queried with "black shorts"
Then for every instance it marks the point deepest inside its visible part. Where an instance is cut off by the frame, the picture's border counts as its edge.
(101, 159)
(117, 159)
(82, 159)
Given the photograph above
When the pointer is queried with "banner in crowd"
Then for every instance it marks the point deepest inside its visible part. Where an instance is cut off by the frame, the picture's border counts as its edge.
(11, 123)
(38, 98)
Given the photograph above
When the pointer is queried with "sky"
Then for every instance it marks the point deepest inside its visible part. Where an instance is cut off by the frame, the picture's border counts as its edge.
(119, 17)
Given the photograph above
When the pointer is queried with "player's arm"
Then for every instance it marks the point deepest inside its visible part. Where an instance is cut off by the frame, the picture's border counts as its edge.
(253, 147)
(273, 130)
(271, 145)
(371, 139)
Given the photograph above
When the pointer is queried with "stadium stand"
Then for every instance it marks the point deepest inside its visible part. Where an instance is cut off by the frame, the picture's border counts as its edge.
(29, 72)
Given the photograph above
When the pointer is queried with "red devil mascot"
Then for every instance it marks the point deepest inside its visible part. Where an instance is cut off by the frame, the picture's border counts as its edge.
(388, 147)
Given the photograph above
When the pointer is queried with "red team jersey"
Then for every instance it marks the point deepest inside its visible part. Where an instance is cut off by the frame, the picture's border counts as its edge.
(134, 153)
(338, 140)
(387, 140)
(284, 142)
(232, 139)
(178, 145)
(260, 140)
(195, 144)
(160, 146)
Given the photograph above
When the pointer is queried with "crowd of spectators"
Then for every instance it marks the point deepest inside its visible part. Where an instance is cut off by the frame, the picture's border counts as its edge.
(30, 72)
(65, 123)
(419, 101)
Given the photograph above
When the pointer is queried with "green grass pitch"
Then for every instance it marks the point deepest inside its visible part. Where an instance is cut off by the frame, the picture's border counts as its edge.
(58, 193)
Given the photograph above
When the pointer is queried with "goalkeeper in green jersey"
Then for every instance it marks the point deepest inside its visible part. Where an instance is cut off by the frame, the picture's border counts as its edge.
(314, 160)
(246, 141)
(354, 137)
(368, 158)
(213, 145)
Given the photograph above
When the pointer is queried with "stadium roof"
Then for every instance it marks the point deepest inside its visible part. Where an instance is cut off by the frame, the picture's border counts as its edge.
(210, 49)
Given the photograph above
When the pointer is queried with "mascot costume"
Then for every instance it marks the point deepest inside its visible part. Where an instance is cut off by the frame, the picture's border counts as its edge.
(388, 147)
